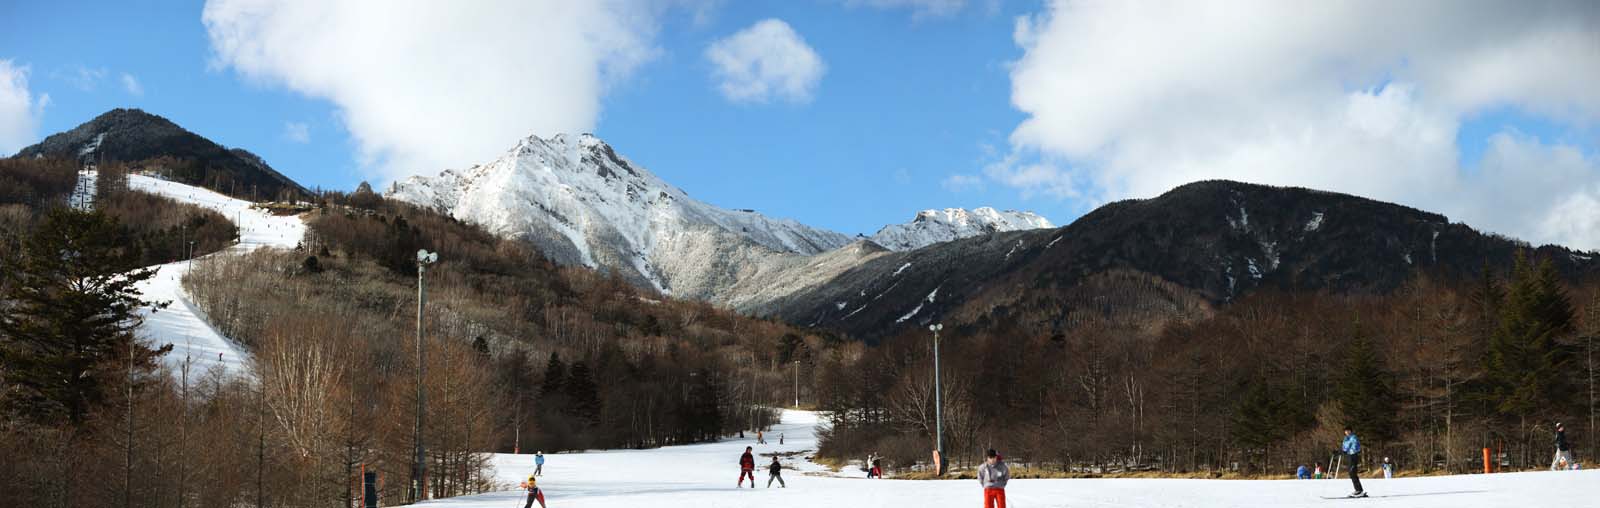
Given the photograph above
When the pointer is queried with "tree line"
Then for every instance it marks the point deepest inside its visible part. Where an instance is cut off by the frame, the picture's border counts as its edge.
(1428, 375)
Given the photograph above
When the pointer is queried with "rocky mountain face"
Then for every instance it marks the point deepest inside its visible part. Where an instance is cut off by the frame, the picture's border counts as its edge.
(132, 135)
(581, 203)
(934, 226)
(1216, 240)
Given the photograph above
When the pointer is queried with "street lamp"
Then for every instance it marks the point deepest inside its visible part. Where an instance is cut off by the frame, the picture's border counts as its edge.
(938, 408)
(797, 384)
(419, 467)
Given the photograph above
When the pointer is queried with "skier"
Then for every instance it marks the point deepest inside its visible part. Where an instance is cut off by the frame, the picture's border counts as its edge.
(1563, 452)
(872, 472)
(538, 463)
(877, 468)
(1302, 473)
(780, 438)
(992, 475)
(1319, 473)
(774, 472)
(1352, 454)
(534, 494)
(1388, 469)
(760, 438)
(747, 467)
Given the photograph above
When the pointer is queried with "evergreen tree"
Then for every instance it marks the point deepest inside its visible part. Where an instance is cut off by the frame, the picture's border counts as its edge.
(555, 376)
(583, 398)
(68, 336)
(1525, 359)
(1366, 391)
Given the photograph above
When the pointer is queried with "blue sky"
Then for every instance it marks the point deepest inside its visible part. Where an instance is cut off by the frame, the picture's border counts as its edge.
(918, 103)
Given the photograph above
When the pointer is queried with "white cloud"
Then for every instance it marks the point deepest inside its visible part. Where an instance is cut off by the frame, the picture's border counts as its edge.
(919, 8)
(1129, 99)
(131, 84)
(962, 183)
(297, 132)
(19, 111)
(765, 61)
(81, 77)
(425, 85)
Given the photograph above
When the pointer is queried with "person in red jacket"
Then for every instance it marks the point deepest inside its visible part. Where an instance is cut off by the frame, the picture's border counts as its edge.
(747, 467)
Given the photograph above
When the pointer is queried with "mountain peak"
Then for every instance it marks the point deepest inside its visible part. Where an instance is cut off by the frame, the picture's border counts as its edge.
(934, 226)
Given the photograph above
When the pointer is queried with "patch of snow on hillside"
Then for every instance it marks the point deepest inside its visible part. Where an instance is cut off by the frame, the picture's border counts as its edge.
(901, 269)
(937, 226)
(909, 314)
(1315, 223)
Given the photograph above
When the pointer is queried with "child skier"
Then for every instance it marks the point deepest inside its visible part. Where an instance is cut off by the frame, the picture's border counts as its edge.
(538, 463)
(992, 475)
(534, 494)
(747, 467)
(774, 472)
(1319, 474)
(1388, 469)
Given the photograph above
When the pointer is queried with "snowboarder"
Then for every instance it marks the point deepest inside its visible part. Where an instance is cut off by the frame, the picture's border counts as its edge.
(992, 475)
(1563, 451)
(774, 472)
(538, 463)
(1302, 473)
(1388, 469)
(747, 467)
(534, 494)
(1352, 454)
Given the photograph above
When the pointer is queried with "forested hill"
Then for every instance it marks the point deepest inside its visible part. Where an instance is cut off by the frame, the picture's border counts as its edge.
(1215, 240)
(156, 143)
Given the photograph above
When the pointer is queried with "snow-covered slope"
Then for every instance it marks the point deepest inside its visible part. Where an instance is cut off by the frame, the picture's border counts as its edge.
(697, 476)
(934, 226)
(181, 323)
(581, 203)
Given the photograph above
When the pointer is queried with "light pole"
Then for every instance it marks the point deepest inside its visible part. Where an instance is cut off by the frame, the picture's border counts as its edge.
(797, 384)
(938, 405)
(419, 468)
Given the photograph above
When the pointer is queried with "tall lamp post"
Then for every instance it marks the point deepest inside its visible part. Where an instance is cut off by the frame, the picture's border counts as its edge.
(797, 384)
(938, 405)
(419, 468)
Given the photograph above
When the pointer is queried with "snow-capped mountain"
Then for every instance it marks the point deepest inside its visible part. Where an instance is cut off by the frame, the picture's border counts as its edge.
(581, 203)
(935, 226)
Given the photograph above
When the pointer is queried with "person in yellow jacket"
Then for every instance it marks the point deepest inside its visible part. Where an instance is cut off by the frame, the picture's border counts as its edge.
(534, 494)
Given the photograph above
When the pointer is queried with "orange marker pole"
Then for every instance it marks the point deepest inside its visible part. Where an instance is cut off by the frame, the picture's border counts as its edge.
(1487, 467)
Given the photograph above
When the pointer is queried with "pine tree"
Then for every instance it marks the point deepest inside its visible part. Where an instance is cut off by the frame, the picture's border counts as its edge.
(1525, 359)
(555, 376)
(583, 398)
(68, 335)
(1366, 391)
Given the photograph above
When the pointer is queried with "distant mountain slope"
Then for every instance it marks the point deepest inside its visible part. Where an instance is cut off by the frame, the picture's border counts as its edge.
(934, 226)
(132, 135)
(581, 203)
(1218, 239)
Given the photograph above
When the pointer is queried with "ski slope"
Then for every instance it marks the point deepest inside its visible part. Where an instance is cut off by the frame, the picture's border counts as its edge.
(181, 323)
(702, 476)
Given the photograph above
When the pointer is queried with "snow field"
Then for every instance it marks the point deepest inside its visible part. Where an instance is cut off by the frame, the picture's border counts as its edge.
(182, 324)
(703, 475)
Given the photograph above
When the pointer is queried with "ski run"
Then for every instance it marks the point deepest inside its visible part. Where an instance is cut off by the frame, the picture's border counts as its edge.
(182, 324)
(703, 475)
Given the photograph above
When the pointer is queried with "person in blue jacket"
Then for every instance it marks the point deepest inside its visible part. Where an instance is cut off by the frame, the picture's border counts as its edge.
(538, 463)
(1302, 473)
(1352, 454)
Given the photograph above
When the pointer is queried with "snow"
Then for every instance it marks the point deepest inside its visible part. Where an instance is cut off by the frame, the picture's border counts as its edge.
(1052, 243)
(182, 324)
(935, 226)
(1315, 223)
(584, 204)
(84, 191)
(908, 315)
(696, 476)
(901, 269)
